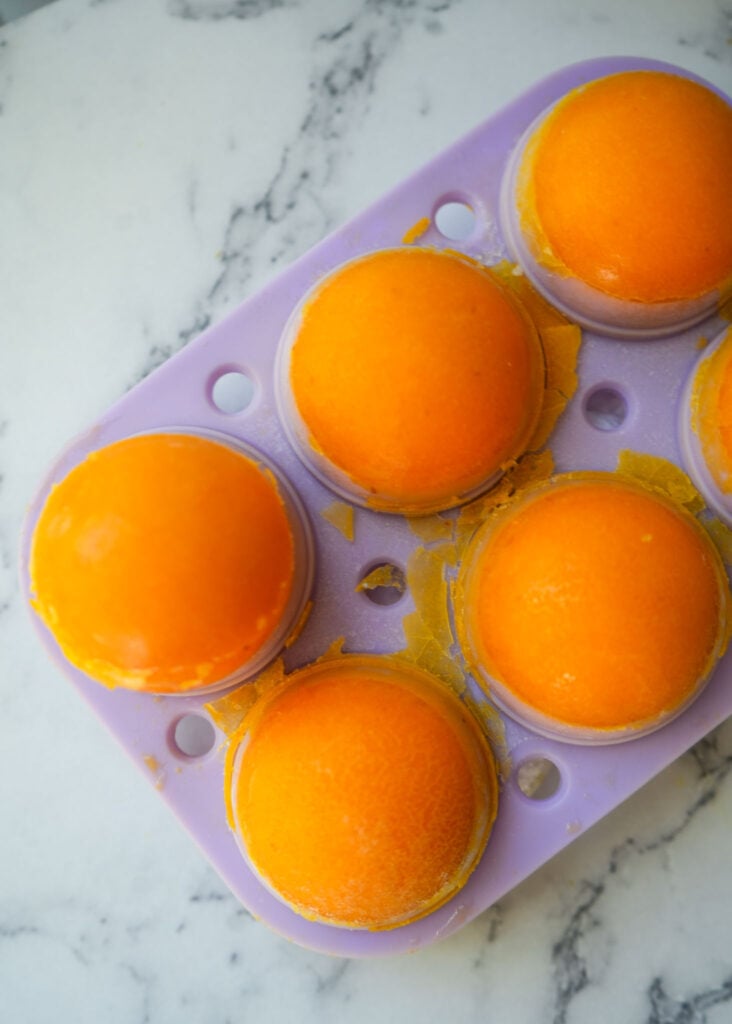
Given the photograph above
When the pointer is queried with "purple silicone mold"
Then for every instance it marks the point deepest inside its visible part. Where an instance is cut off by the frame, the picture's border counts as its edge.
(650, 375)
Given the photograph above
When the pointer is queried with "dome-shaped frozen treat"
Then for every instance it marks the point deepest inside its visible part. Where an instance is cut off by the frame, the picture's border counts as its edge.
(618, 203)
(706, 426)
(409, 378)
(170, 562)
(363, 792)
(593, 609)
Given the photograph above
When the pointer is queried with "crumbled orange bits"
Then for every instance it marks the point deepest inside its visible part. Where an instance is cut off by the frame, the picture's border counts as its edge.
(592, 608)
(167, 563)
(624, 186)
(363, 792)
(411, 378)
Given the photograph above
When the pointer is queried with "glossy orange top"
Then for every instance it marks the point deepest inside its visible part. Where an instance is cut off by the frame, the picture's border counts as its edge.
(163, 562)
(365, 792)
(712, 401)
(626, 186)
(596, 602)
(417, 376)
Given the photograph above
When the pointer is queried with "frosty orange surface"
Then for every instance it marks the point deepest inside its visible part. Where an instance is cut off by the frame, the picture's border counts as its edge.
(416, 378)
(626, 186)
(163, 562)
(594, 604)
(712, 412)
(364, 792)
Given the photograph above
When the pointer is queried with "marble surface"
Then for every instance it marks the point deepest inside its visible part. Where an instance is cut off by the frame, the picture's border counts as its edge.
(158, 163)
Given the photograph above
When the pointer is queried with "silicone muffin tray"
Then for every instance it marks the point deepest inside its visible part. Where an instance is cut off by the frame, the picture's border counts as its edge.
(644, 380)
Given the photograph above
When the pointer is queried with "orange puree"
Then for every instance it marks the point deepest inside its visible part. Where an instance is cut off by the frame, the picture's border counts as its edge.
(163, 562)
(713, 413)
(595, 603)
(626, 186)
(365, 792)
(417, 376)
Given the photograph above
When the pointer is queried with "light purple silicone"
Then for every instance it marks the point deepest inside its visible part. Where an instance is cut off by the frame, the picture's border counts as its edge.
(650, 375)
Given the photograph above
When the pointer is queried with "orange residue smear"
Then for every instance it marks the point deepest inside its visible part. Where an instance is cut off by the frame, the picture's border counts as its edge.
(417, 230)
(229, 712)
(341, 516)
(596, 602)
(711, 411)
(433, 632)
(417, 375)
(163, 562)
(365, 793)
(560, 340)
(662, 476)
(625, 185)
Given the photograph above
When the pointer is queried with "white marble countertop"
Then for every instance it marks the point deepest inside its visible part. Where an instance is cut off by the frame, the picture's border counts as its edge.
(159, 161)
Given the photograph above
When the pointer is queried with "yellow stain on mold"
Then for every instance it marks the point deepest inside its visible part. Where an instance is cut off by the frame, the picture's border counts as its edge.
(560, 339)
(382, 576)
(417, 230)
(229, 711)
(662, 476)
(155, 768)
(342, 517)
(428, 635)
(431, 529)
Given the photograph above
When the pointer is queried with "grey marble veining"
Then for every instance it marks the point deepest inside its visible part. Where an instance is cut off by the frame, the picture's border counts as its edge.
(158, 163)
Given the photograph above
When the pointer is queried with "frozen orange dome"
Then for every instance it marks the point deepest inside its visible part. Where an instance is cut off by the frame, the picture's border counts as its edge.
(415, 377)
(364, 793)
(164, 562)
(626, 186)
(712, 405)
(593, 608)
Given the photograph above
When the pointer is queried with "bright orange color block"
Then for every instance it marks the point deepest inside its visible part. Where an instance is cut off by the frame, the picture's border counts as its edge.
(713, 419)
(417, 375)
(163, 562)
(365, 793)
(596, 603)
(626, 186)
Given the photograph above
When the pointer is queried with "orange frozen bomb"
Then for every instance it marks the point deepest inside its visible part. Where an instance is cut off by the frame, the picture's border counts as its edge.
(594, 609)
(363, 792)
(165, 562)
(413, 378)
(712, 415)
(625, 187)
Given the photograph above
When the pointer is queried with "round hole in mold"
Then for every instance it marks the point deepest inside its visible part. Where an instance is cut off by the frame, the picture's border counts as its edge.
(192, 736)
(455, 219)
(232, 391)
(538, 778)
(606, 407)
(383, 583)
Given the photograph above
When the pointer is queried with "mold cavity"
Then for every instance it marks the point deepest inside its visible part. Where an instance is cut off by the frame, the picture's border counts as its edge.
(538, 778)
(455, 220)
(606, 408)
(232, 391)
(193, 736)
(383, 583)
